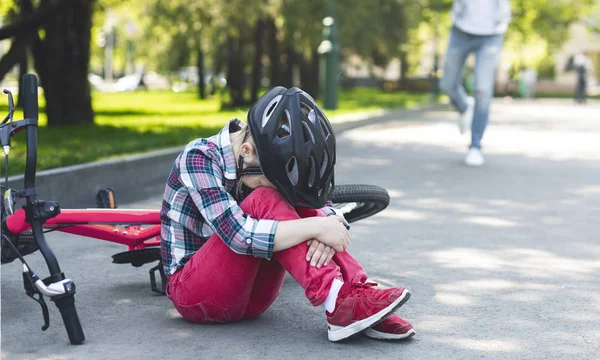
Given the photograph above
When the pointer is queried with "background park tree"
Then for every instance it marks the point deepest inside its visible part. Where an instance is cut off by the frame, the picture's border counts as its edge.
(252, 41)
(57, 34)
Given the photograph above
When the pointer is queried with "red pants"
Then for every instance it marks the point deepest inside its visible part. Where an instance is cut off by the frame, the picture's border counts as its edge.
(218, 285)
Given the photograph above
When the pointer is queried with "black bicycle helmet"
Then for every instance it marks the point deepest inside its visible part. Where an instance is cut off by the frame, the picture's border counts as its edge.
(295, 144)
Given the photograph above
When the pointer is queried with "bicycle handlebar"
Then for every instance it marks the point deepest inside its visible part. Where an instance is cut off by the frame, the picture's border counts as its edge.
(30, 111)
(66, 305)
(59, 289)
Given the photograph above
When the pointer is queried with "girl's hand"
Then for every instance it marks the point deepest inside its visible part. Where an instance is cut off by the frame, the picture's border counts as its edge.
(318, 253)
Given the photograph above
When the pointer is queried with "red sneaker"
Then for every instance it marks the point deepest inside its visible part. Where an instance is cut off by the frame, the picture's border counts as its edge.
(360, 306)
(392, 328)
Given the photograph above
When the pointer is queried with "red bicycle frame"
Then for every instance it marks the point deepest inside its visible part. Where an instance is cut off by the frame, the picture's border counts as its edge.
(138, 229)
(100, 224)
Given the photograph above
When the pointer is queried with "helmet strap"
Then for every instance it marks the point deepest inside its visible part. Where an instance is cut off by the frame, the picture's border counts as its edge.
(243, 190)
(240, 165)
(252, 171)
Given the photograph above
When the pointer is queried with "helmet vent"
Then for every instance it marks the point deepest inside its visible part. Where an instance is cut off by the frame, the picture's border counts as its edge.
(308, 134)
(324, 126)
(269, 110)
(283, 128)
(324, 165)
(292, 170)
(306, 109)
(311, 175)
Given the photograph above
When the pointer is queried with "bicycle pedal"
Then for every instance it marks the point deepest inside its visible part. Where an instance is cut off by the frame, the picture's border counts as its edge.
(163, 279)
(105, 199)
(137, 258)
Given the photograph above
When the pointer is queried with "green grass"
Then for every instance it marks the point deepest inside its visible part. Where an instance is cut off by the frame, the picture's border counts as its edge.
(129, 123)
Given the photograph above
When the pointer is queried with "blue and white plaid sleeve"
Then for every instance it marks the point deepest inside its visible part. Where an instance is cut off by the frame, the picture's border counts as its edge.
(202, 176)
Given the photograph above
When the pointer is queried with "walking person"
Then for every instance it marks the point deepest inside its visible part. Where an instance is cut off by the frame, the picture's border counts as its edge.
(478, 27)
(528, 79)
(582, 64)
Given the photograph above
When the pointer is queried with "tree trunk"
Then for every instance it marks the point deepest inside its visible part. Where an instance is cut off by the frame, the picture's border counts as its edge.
(63, 60)
(38, 58)
(257, 66)
(30, 21)
(235, 71)
(403, 70)
(274, 55)
(13, 56)
(309, 74)
(218, 63)
(201, 85)
(288, 73)
(23, 69)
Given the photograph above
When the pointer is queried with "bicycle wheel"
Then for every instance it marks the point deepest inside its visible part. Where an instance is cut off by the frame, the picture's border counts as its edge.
(25, 242)
(359, 201)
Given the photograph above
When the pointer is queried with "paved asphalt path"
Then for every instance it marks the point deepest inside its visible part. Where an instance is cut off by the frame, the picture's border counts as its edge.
(502, 261)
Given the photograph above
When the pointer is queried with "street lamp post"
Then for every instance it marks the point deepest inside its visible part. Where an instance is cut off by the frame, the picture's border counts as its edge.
(435, 85)
(330, 52)
(109, 35)
(130, 28)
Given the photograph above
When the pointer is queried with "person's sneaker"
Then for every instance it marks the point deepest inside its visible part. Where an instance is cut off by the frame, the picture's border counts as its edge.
(474, 157)
(465, 119)
(360, 306)
(392, 328)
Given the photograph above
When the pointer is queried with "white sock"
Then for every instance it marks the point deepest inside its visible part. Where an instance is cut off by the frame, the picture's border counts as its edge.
(329, 303)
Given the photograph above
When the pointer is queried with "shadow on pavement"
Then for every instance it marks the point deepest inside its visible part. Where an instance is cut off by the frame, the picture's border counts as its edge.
(502, 261)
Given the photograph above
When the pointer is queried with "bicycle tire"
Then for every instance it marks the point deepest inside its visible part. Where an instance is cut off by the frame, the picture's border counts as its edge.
(369, 200)
(25, 244)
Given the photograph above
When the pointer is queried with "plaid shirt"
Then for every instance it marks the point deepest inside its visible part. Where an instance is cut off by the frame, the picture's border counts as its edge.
(198, 203)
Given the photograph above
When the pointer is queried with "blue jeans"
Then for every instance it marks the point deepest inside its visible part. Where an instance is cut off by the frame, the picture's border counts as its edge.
(488, 50)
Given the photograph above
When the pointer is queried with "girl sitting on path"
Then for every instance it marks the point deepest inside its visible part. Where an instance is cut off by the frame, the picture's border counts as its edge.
(248, 204)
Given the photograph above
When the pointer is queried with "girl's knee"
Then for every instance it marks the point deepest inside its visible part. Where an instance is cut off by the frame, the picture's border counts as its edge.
(268, 203)
(267, 192)
(264, 194)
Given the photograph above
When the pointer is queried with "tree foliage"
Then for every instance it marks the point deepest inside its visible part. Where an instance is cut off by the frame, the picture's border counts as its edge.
(546, 19)
(57, 34)
(253, 40)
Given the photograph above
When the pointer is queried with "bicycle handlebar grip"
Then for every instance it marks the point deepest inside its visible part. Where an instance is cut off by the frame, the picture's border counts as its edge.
(30, 100)
(66, 305)
(30, 111)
